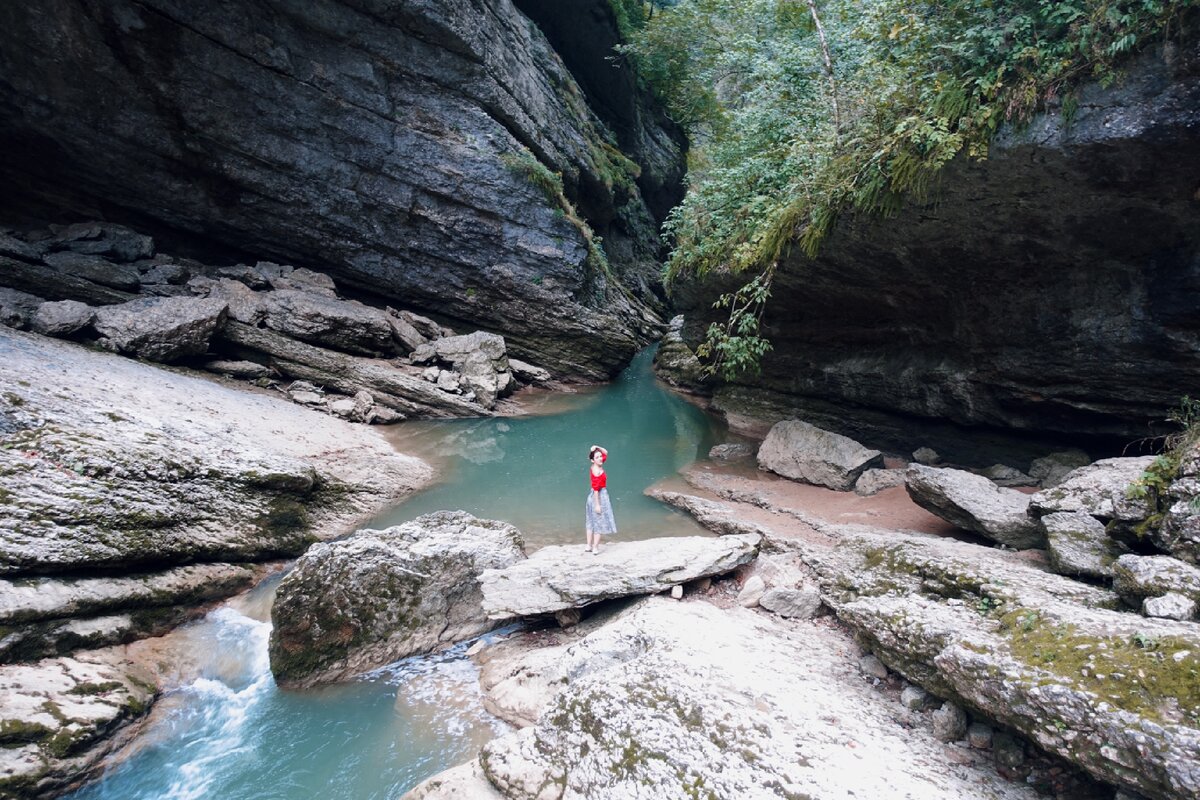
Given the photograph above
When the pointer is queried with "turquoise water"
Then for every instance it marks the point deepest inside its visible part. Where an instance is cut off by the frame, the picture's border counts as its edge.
(228, 733)
(532, 471)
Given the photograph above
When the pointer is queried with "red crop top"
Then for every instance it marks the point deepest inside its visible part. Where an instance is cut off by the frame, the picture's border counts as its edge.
(598, 481)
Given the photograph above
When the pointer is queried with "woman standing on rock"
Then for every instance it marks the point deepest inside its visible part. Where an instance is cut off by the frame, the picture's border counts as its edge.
(598, 513)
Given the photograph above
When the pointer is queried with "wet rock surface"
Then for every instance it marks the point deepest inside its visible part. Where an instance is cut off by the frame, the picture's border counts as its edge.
(378, 596)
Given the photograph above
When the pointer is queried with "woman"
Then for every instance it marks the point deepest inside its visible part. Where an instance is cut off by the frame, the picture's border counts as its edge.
(598, 513)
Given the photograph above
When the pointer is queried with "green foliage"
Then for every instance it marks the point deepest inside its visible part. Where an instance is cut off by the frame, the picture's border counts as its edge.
(737, 345)
(1154, 484)
(917, 84)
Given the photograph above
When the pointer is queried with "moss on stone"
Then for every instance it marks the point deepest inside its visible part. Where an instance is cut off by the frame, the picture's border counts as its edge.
(88, 688)
(19, 731)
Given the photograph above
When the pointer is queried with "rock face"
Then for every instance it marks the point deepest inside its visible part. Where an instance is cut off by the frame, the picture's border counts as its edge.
(931, 325)
(974, 503)
(565, 577)
(378, 596)
(426, 171)
(654, 705)
(797, 450)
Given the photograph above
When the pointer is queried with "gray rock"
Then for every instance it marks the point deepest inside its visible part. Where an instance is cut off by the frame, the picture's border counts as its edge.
(1100, 489)
(1179, 533)
(14, 247)
(17, 309)
(873, 481)
(62, 318)
(752, 592)
(364, 407)
(482, 361)
(173, 274)
(424, 326)
(423, 354)
(52, 284)
(1079, 545)
(103, 238)
(949, 723)
(927, 456)
(1004, 475)
(464, 782)
(1052, 469)
(161, 328)
(731, 451)
(96, 269)
(306, 398)
(974, 503)
(344, 325)
(528, 373)
(342, 407)
(302, 279)
(561, 577)
(252, 277)
(448, 381)
(378, 596)
(1008, 750)
(715, 516)
(980, 735)
(431, 374)
(406, 337)
(803, 452)
(872, 667)
(1138, 577)
(799, 603)
(915, 698)
(1170, 606)
(675, 362)
(246, 370)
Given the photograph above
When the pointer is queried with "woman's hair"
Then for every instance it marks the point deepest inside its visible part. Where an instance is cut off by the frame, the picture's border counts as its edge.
(592, 452)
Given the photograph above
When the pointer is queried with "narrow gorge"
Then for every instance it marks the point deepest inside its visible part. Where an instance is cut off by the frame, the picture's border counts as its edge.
(885, 312)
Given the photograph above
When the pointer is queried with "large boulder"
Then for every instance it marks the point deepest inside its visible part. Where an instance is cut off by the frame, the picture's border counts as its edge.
(1100, 489)
(1079, 544)
(161, 328)
(315, 318)
(797, 450)
(655, 704)
(1138, 577)
(1050, 470)
(378, 596)
(481, 358)
(974, 503)
(556, 579)
(117, 242)
(62, 317)
(96, 269)
(17, 308)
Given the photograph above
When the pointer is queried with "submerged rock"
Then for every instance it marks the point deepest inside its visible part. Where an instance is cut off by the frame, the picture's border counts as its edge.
(806, 453)
(378, 596)
(564, 577)
(974, 503)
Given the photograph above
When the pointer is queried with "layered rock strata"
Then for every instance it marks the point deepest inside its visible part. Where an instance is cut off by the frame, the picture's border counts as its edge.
(413, 149)
(1047, 292)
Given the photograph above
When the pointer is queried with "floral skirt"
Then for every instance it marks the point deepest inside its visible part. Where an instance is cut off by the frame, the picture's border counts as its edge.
(601, 522)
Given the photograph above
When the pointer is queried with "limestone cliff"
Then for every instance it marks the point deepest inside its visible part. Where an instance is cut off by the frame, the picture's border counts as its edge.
(1050, 291)
(406, 146)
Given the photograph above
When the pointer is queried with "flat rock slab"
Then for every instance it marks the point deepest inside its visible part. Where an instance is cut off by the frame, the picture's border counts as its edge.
(804, 452)
(558, 578)
(676, 700)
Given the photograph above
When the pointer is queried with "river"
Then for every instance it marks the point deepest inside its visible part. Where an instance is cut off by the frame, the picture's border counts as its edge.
(226, 732)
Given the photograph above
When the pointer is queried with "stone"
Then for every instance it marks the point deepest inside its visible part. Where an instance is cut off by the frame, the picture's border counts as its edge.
(246, 370)
(103, 238)
(752, 592)
(804, 452)
(244, 305)
(1137, 577)
(598, 729)
(731, 451)
(872, 667)
(712, 515)
(979, 736)
(307, 398)
(799, 603)
(423, 354)
(48, 283)
(343, 325)
(1100, 489)
(302, 279)
(342, 407)
(1050, 470)
(675, 362)
(1008, 750)
(528, 373)
(974, 503)
(1179, 531)
(677, 592)
(448, 381)
(173, 274)
(162, 329)
(949, 723)
(17, 309)
(96, 269)
(464, 782)
(927, 456)
(431, 374)
(1079, 545)
(482, 362)
(378, 596)
(406, 337)
(424, 326)
(364, 406)
(874, 481)
(14, 247)
(915, 698)
(252, 277)
(1004, 475)
(1170, 606)
(62, 318)
(567, 576)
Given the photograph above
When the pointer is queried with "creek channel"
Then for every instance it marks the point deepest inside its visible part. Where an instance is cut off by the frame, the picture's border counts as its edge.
(226, 731)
